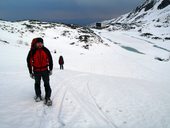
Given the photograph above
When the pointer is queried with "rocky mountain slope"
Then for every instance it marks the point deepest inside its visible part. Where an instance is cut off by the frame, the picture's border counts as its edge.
(151, 19)
(22, 31)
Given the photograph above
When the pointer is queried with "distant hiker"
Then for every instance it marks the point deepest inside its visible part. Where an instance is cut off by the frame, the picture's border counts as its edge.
(61, 62)
(40, 65)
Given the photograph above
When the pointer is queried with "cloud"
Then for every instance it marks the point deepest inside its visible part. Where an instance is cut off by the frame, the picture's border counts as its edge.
(93, 2)
(106, 3)
(52, 10)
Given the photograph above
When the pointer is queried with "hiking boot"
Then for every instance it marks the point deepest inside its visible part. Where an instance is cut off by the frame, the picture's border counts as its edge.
(38, 98)
(48, 102)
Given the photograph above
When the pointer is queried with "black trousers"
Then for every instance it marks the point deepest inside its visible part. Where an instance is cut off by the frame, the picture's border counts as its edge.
(45, 77)
(61, 67)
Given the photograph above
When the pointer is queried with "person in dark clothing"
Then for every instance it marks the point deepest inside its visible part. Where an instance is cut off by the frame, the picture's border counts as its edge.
(61, 62)
(40, 65)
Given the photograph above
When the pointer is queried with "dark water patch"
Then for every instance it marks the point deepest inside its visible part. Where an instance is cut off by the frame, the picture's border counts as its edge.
(6, 42)
(132, 49)
(161, 48)
(162, 59)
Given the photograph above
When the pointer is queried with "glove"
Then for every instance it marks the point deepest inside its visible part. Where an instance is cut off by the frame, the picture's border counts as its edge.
(32, 75)
(50, 73)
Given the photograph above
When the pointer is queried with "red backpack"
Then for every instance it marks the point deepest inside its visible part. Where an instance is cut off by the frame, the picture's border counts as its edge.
(34, 41)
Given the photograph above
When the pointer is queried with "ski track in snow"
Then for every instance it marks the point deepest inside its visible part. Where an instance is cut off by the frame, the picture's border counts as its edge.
(99, 109)
(90, 107)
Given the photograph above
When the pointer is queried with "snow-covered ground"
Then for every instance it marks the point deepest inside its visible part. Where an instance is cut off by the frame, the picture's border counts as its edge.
(118, 85)
(116, 77)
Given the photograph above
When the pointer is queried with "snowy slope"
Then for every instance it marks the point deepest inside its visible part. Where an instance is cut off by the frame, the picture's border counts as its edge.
(82, 99)
(22, 32)
(112, 79)
(150, 19)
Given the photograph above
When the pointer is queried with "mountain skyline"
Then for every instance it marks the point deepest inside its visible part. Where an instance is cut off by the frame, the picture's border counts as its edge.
(80, 12)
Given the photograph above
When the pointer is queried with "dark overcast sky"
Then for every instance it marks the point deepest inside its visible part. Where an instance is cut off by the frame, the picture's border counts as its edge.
(68, 11)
